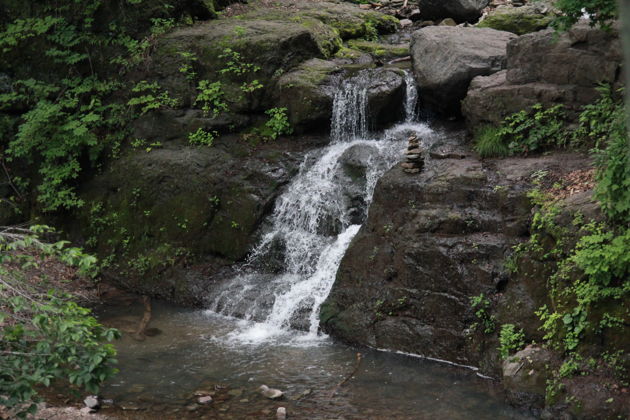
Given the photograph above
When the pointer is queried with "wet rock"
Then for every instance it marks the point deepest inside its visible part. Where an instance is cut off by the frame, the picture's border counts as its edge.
(281, 414)
(453, 230)
(525, 376)
(183, 200)
(459, 10)
(385, 96)
(235, 393)
(307, 94)
(205, 399)
(445, 60)
(192, 407)
(547, 68)
(271, 393)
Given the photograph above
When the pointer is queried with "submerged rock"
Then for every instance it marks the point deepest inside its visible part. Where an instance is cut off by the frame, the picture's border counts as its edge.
(271, 393)
(445, 60)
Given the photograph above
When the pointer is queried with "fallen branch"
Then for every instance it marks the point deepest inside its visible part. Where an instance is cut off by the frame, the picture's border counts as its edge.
(347, 378)
(146, 317)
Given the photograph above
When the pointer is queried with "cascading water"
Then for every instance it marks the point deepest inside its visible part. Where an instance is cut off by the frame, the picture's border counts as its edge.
(292, 269)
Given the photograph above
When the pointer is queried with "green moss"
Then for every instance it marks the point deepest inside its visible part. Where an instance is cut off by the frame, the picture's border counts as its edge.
(518, 23)
(378, 49)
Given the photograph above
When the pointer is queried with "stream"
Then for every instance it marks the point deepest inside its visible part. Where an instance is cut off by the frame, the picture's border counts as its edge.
(262, 325)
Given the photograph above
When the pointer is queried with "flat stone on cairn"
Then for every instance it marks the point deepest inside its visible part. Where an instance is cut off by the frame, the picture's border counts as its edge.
(414, 160)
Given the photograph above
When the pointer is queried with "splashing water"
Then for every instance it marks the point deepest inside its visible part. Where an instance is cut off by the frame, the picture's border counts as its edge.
(313, 223)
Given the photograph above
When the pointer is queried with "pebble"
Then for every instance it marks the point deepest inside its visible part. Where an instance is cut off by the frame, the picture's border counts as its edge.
(87, 410)
(281, 414)
(206, 399)
(192, 407)
(448, 22)
(91, 401)
(412, 171)
(405, 22)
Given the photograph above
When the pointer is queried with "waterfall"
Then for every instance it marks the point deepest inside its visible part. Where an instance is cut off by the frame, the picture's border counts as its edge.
(290, 272)
(349, 114)
(411, 97)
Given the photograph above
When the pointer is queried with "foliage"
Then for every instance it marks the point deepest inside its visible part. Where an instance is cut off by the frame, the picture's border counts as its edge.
(510, 340)
(45, 336)
(211, 97)
(524, 132)
(202, 137)
(66, 59)
(613, 175)
(278, 123)
(151, 98)
(481, 307)
(489, 142)
(534, 130)
(602, 12)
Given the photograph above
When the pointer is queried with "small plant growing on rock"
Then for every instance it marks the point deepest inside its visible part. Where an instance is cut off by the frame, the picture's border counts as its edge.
(510, 340)
(202, 137)
(211, 97)
(278, 123)
(151, 97)
(481, 305)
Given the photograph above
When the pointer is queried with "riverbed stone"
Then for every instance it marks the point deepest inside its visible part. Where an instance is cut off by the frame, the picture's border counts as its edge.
(445, 60)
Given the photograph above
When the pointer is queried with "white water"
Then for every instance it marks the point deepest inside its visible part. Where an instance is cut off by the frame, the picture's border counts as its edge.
(313, 223)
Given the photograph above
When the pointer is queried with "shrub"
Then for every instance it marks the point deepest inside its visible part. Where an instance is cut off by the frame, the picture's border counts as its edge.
(202, 137)
(278, 123)
(489, 142)
(510, 340)
(44, 335)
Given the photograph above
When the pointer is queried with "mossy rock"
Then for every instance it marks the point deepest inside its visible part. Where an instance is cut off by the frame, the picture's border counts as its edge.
(378, 49)
(518, 20)
(306, 94)
(151, 211)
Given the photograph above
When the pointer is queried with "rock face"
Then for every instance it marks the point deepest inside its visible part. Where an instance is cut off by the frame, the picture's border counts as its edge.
(460, 10)
(445, 60)
(152, 211)
(542, 68)
(432, 241)
(274, 43)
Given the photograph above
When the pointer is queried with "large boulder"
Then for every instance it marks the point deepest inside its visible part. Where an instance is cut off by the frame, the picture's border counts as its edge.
(445, 60)
(460, 10)
(547, 68)
(431, 242)
(521, 20)
(269, 41)
(156, 208)
(308, 94)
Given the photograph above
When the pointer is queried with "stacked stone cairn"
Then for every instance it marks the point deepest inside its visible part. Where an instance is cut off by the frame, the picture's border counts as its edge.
(414, 160)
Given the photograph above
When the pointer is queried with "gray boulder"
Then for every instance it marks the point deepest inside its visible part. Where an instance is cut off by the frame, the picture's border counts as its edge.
(445, 60)
(543, 67)
(460, 10)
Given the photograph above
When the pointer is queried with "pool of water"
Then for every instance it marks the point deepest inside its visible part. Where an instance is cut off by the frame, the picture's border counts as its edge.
(196, 350)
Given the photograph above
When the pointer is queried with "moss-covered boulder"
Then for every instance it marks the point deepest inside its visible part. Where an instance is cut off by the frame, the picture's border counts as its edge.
(307, 94)
(247, 53)
(152, 210)
(520, 20)
(379, 49)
